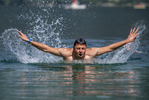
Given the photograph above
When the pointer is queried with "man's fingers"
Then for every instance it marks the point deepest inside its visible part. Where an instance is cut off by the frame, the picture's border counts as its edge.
(130, 31)
(136, 34)
(136, 31)
(20, 32)
(19, 35)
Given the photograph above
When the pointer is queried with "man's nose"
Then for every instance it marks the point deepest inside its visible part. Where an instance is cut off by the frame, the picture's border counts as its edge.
(80, 50)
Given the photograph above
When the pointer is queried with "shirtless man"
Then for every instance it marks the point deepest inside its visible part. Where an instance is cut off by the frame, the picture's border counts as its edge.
(79, 50)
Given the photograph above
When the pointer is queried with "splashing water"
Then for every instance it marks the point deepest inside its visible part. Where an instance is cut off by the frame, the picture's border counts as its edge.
(40, 30)
(25, 53)
(122, 54)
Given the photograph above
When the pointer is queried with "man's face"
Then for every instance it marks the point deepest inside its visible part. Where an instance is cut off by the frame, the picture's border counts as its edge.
(80, 50)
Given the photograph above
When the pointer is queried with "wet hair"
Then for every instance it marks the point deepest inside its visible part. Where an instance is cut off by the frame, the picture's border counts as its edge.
(80, 41)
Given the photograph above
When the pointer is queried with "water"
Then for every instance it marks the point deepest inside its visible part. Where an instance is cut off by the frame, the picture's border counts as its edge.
(27, 73)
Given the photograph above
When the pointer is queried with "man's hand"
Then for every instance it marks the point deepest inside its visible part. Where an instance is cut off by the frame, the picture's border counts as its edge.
(23, 37)
(132, 36)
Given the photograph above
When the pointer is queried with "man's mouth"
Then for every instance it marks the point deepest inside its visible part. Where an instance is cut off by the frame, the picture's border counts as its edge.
(80, 55)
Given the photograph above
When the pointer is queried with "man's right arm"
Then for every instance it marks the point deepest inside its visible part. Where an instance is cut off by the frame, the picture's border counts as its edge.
(40, 46)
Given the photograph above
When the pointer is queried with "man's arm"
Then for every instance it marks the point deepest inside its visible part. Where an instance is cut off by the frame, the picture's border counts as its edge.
(132, 36)
(40, 46)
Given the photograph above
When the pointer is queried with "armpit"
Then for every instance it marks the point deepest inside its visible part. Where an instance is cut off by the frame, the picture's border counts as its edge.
(98, 50)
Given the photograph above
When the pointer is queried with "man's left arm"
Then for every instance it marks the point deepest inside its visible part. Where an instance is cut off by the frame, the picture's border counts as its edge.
(132, 36)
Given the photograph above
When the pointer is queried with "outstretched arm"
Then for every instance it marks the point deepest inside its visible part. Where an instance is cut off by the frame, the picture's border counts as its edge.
(132, 36)
(40, 46)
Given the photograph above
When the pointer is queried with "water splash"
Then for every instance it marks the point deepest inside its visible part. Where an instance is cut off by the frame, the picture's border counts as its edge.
(40, 29)
(43, 28)
(122, 54)
(45, 33)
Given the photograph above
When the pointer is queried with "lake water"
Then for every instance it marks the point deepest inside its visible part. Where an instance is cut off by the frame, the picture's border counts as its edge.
(29, 74)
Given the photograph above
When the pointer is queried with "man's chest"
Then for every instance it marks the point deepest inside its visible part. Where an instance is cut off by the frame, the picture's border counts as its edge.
(71, 58)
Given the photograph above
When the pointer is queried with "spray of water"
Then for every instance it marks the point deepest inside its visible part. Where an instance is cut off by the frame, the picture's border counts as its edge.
(44, 33)
(40, 29)
(122, 54)
(44, 30)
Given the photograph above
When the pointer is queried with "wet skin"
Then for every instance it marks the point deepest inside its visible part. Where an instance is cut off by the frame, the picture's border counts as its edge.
(80, 51)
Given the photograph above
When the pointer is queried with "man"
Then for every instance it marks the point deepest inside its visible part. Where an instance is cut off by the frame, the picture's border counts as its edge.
(80, 51)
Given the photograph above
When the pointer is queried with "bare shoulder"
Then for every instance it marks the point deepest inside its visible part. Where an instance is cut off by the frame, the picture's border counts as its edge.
(99, 51)
(92, 51)
(65, 51)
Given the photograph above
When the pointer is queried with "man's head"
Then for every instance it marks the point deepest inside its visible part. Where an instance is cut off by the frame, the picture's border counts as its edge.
(80, 41)
(79, 48)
